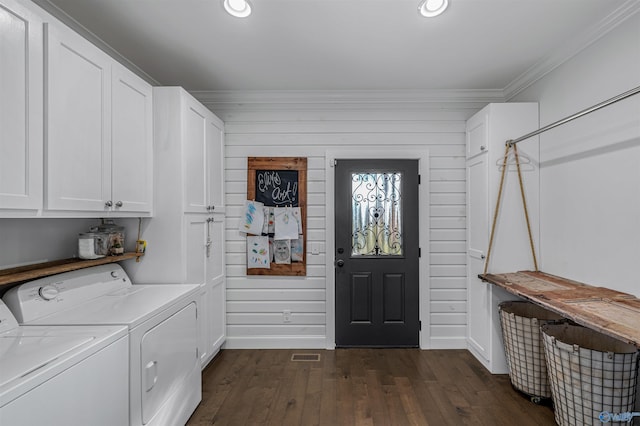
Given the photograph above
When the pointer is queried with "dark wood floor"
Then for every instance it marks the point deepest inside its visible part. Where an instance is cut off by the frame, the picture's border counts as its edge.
(360, 387)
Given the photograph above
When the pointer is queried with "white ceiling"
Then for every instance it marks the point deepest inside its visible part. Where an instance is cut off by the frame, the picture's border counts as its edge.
(343, 44)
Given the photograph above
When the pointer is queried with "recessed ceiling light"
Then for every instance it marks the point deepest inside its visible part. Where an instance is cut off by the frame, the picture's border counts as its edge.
(237, 8)
(431, 8)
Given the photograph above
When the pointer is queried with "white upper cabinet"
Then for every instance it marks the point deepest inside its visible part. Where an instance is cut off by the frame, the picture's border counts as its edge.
(78, 134)
(98, 130)
(21, 121)
(196, 197)
(477, 133)
(202, 138)
(131, 141)
(215, 154)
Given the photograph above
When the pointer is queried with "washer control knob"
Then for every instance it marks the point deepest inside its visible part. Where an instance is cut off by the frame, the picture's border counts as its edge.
(114, 274)
(48, 292)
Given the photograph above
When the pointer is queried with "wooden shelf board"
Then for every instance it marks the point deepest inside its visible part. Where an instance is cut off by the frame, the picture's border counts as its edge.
(39, 270)
(608, 311)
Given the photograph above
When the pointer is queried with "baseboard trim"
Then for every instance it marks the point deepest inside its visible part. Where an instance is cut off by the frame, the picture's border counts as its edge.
(276, 342)
(448, 343)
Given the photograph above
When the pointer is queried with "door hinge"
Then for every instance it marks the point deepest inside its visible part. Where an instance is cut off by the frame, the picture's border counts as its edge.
(335, 163)
(419, 179)
(420, 325)
(419, 252)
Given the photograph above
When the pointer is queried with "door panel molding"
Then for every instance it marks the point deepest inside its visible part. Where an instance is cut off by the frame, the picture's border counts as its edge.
(361, 289)
(393, 290)
(422, 155)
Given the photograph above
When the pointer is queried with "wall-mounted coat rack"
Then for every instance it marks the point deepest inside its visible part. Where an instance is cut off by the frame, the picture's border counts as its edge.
(610, 312)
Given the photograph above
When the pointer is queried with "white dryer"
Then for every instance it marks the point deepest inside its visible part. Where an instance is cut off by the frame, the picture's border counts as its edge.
(164, 367)
(62, 375)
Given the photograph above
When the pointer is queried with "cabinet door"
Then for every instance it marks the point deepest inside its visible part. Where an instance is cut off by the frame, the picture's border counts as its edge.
(215, 254)
(78, 133)
(215, 168)
(195, 235)
(216, 315)
(477, 134)
(21, 79)
(195, 124)
(131, 142)
(478, 294)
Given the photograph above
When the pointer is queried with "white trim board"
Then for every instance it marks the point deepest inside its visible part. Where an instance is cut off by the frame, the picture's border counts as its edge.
(274, 342)
(422, 155)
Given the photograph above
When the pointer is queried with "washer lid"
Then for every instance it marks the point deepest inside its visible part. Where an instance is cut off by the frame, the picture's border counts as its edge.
(26, 355)
(32, 355)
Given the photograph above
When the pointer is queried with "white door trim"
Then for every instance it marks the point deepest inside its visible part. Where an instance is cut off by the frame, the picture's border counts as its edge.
(422, 155)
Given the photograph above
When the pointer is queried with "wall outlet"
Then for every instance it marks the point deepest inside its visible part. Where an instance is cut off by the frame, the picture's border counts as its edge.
(286, 315)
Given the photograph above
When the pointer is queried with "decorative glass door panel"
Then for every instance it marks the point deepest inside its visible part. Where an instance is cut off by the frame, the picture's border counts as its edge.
(376, 214)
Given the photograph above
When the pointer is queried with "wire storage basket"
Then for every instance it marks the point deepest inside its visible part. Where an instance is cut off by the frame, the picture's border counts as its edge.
(591, 374)
(520, 322)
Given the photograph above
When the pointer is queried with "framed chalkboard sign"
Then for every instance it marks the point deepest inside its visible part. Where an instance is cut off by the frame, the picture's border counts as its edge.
(278, 188)
(280, 182)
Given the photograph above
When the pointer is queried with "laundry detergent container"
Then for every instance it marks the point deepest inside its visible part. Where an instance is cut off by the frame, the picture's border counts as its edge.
(593, 377)
(523, 347)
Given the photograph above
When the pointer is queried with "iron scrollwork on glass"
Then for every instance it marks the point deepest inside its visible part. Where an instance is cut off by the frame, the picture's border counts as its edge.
(376, 214)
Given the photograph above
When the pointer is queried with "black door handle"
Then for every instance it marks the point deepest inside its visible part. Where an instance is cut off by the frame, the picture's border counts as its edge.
(340, 263)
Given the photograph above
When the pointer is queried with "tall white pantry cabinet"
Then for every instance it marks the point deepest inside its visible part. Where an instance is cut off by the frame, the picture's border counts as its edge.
(486, 134)
(186, 236)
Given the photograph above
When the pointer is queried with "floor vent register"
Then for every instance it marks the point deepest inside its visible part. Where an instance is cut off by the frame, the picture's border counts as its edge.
(305, 357)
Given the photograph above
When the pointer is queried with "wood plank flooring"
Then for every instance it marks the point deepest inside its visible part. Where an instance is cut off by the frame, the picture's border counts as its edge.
(360, 387)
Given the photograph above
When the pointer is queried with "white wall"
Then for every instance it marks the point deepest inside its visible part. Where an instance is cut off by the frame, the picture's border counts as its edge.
(24, 241)
(255, 304)
(590, 168)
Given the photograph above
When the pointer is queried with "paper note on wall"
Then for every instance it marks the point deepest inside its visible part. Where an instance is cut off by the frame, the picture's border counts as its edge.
(297, 213)
(253, 219)
(268, 227)
(297, 247)
(258, 252)
(282, 249)
(286, 225)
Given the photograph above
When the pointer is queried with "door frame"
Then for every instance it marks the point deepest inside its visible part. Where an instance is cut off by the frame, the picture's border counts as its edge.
(422, 155)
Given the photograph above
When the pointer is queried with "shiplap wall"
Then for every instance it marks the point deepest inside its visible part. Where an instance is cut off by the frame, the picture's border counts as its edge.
(255, 304)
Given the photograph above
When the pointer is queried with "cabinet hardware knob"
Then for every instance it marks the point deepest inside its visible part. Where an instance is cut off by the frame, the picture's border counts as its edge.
(482, 256)
(119, 204)
(482, 147)
(108, 203)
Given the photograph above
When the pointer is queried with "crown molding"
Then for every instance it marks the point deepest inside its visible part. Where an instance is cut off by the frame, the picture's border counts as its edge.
(568, 50)
(343, 98)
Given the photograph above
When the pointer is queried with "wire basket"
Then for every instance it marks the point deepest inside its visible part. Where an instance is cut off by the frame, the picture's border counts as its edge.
(590, 374)
(523, 347)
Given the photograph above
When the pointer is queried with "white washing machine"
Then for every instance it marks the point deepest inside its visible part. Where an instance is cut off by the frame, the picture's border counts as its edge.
(164, 366)
(62, 375)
